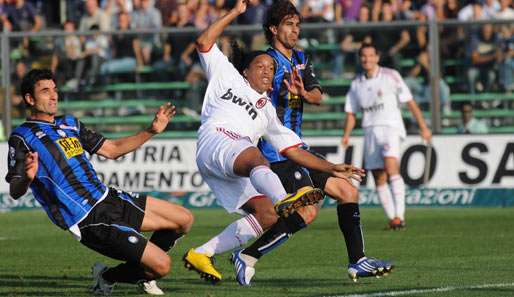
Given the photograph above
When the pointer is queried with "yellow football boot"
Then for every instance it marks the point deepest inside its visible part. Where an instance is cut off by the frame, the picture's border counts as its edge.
(303, 197)
(202, 264)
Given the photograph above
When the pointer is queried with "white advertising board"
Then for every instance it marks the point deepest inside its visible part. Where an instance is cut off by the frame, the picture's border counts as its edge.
(457, 161)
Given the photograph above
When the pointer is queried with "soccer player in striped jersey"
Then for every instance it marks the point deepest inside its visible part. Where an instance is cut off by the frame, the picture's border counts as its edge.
(294, 84)
(48, 154)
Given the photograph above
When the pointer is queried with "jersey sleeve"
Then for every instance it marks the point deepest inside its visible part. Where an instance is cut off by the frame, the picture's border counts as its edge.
(310, 81)
(216, 64)
(403, 92)
(90, 140)
(16, 157)
(280, 137)
(352, 103)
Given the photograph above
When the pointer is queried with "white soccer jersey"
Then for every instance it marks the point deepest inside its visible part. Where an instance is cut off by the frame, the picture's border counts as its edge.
(231, 103)
(379, 99)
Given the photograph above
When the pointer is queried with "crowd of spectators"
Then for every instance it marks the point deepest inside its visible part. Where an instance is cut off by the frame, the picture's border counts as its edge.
(86, 60)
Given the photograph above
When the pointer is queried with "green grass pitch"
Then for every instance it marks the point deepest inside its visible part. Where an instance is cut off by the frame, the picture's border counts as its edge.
(443, 252)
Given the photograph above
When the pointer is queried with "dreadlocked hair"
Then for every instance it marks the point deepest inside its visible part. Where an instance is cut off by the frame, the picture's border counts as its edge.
(237, 56)
(240, 58)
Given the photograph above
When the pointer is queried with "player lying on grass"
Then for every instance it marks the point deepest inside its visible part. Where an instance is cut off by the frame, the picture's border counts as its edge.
(48, 154)
(236, 113)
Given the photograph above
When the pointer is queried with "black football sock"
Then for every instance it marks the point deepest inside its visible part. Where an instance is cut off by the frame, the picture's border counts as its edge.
(125, 273)
(165, 239)
(349, 219)
(276, 235)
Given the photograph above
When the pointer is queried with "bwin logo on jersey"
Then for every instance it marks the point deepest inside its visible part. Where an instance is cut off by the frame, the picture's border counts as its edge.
(239, 101)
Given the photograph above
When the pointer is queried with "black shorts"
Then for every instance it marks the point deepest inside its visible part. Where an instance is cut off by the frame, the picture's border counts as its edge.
(294, 176)
(113, 227)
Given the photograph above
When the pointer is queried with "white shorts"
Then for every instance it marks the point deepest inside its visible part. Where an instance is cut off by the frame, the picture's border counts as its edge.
(381, 142)
(217, 149)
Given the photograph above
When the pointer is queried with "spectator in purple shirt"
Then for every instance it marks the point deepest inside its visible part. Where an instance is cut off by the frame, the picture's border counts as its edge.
(23, 17)
(5, 25)
(347, 10)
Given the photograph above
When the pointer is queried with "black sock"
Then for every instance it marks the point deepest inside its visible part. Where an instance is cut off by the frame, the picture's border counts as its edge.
(165, 239)
(276, 235)
(125, 273)
(349, 219)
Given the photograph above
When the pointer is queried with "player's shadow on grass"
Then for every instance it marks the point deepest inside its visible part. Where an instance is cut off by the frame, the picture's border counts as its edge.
(19, 285)
(26, 279)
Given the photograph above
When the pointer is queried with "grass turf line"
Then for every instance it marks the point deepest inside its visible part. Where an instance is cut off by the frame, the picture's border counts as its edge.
(462, 248)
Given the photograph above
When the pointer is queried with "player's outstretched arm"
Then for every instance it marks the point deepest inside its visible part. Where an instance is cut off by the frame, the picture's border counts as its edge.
(19, 185)
(208, 37)
(310, 161)
(426, 134)
(114, 148)
(348, 127)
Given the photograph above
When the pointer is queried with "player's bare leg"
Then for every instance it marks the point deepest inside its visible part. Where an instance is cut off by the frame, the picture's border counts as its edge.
(251, 163)
(170, 222)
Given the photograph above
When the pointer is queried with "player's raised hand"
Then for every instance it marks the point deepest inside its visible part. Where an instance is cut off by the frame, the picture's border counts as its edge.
(348, 172)
(240, 6)
(31, 165)
(296, 86)
(345, 141)
(162, 118)
(426, 134)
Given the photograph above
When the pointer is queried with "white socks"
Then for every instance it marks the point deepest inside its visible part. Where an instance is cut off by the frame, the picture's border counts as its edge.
(234, 235)
(393, 207)
(398, 189)
(384, 194)
(267, 183)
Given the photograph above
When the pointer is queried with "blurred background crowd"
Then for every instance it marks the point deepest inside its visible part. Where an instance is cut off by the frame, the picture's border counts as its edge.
(475, 58)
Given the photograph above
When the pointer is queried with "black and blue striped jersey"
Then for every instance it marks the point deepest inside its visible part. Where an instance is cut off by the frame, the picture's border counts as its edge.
(66, 185)
(289, 107)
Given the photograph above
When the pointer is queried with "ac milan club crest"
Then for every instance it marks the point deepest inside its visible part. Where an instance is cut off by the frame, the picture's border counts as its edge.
(260, 103)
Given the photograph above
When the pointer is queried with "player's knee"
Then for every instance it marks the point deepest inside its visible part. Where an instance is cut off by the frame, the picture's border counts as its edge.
(308, 213)
(380, 177)
(266, 217)
(179, 219)
(162, 267)
(344, 192)
(352, 193)
(248, 160)
(259, 161)
(187, 220)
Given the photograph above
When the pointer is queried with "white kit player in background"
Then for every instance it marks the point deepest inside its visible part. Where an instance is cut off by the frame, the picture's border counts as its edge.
(378, 93)
(236, 112)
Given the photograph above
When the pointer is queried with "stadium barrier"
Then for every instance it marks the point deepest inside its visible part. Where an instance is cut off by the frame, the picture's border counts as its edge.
(465, 171)
(415, 197)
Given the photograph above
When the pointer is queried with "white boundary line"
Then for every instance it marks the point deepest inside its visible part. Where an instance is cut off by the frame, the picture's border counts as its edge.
(423, 291)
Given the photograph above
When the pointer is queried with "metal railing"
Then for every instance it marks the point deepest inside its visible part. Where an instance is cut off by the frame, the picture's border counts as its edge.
(316, 30)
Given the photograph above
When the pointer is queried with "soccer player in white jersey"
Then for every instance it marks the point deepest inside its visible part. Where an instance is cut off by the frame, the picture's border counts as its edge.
(236, 112)
(378, 93)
